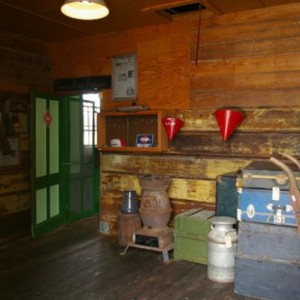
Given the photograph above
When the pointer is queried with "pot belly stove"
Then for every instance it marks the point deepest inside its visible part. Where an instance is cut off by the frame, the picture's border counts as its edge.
(155, 211)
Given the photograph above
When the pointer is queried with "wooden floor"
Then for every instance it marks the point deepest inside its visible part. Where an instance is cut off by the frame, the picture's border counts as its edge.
(77, 262)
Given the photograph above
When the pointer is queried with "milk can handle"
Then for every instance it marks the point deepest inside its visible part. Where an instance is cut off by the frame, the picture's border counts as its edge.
(228, 238)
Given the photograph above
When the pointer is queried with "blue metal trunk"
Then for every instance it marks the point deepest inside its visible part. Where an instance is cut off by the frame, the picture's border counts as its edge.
(266, 279)
(264, 241)
(266, 206)
(266, 175)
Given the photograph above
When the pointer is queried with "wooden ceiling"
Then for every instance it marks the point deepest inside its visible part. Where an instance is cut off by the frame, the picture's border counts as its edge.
(42, 19)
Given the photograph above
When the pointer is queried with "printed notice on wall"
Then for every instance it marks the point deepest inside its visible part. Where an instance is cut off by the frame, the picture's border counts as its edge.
(124, 77)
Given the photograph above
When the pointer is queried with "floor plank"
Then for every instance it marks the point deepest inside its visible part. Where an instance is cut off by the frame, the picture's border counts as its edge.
(77, 262)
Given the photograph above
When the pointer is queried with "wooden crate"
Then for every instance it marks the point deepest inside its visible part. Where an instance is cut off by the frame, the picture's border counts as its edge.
(190, 235)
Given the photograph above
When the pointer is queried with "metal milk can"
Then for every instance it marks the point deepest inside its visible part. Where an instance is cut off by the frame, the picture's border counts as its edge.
(222, 248)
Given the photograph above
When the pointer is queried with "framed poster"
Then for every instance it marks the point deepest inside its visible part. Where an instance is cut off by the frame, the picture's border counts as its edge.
(124, 77)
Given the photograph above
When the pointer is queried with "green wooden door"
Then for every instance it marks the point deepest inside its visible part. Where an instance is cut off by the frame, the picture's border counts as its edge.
(65, 177)
(80, 170)
(47, 207)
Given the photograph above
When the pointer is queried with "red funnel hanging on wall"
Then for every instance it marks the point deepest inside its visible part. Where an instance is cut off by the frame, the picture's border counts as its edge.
(228, 120)
(172, 126)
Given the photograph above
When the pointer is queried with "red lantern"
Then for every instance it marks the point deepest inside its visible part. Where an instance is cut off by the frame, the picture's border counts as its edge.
(228, 120)
(172, 126)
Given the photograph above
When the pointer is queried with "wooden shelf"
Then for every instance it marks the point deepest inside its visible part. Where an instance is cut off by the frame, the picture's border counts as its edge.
(126, 126)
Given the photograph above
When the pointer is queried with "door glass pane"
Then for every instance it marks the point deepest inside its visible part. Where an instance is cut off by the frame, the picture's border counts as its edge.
(41, 205)
(76, 194)
(88, 194)
(95, 98)
(88, 124)
(40, 134)
(81, 152)
(75, 136)
(54, 200)
(54, 137)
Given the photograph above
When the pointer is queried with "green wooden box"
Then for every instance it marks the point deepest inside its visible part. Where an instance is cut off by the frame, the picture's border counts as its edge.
(190, 235)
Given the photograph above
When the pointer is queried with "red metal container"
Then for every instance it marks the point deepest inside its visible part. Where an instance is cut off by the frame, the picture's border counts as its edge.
(228, 120)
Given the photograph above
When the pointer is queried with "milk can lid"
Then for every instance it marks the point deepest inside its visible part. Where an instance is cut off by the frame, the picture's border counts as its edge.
(223, 220)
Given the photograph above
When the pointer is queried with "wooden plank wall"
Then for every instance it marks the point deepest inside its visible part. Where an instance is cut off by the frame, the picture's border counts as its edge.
(25, 65)
(25, 62)
(163, 55)
(248, 60)
(197, 155)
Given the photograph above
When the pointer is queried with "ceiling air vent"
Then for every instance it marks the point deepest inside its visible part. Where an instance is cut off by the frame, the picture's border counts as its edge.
(182, 9)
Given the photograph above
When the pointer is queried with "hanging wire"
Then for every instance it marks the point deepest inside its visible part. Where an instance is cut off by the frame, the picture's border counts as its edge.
(198, 35)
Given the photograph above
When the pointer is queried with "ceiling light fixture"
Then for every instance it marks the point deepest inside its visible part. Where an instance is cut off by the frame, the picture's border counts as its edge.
(85, 9)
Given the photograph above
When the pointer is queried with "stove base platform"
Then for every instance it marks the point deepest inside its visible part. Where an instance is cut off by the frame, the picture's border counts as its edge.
(160, 240)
